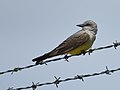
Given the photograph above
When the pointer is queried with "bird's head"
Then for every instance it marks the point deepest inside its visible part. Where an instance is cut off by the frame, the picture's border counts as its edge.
(90, 25)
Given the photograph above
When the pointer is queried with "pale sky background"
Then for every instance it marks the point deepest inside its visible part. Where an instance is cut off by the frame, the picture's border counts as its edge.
(29, 28)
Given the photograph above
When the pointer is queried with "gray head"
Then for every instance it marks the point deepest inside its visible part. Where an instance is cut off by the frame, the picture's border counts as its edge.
(89, 24)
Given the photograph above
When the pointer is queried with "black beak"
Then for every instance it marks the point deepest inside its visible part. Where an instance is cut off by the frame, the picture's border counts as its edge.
(80, 25)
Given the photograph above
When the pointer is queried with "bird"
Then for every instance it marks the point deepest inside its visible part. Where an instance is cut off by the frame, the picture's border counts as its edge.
(80, 41)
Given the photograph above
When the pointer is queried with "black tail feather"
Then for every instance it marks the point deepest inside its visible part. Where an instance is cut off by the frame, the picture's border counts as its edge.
(41, 58)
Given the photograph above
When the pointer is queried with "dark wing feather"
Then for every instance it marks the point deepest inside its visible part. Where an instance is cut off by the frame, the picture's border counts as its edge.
(70, 43)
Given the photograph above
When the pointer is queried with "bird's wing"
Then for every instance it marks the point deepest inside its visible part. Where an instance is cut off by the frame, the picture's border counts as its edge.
(71, 43)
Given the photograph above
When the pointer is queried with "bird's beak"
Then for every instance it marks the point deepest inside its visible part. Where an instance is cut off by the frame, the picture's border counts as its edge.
(80, 25)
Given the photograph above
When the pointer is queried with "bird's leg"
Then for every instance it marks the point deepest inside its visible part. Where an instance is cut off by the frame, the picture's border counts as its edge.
(83, 52)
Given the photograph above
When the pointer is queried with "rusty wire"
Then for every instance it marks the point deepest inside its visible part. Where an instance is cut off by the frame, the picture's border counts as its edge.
(58, 80)
(115, 45)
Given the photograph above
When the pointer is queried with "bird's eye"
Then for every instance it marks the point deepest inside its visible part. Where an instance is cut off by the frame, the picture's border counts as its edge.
(87, 24)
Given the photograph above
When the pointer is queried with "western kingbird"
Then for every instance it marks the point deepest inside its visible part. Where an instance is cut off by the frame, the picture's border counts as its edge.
(75, 44)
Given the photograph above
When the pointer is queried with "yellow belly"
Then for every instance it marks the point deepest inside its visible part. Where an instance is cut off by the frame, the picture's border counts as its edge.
(81, 48)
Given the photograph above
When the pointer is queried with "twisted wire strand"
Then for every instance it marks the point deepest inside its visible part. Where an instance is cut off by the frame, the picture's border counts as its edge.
(115, 45)
(58, 80)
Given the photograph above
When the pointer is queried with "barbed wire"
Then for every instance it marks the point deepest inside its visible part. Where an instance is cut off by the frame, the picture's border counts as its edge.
(115, 45)
(58, 80)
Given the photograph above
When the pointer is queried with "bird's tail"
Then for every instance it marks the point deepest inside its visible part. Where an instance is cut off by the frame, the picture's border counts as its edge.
(41, 58)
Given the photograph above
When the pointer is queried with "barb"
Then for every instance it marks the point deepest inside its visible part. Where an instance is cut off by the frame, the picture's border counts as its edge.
(115, 45)
(57, 81)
